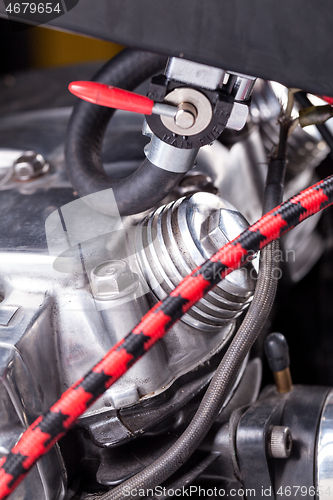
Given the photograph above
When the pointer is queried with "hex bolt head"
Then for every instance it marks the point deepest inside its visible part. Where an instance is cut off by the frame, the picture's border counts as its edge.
(112, 279)
(224, 225)
(29, 166)
(280, 442)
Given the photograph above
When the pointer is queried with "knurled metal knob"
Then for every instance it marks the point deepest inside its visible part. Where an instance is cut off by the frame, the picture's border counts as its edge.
(280, 442)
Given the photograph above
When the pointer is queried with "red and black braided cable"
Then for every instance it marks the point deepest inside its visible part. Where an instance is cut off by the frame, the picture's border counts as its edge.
(51, 426)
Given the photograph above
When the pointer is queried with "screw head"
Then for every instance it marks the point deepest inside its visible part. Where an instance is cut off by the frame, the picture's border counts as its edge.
(30, 165)
(112, 279)
(280, 442)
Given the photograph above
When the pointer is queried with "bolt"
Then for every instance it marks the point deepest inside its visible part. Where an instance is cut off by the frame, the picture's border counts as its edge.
(112, 279)
(224, 225)
(280, 442)
(30, 165)
(186, 115)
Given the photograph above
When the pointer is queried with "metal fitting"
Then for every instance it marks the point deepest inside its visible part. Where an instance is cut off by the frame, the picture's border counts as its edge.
(112, 280)
(167, 157)
(240, 86)
(186, 115)
(238, 116)
(283, 381)
(280, 442)
(193, 100)
(224, 225)
(315, 115)
(180, 238)
(29, 166)
(193, 73)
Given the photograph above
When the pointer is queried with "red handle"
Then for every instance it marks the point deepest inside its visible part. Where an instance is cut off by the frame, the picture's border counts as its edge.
(112, 97)
(327, 99)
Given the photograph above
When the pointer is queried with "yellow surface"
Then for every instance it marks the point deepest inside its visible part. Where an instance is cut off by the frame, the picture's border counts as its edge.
(48, 47)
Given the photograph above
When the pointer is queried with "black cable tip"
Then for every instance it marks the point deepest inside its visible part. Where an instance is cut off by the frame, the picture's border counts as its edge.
(277, 352)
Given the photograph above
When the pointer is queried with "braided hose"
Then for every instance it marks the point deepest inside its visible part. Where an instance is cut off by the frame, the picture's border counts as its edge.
(47, 429)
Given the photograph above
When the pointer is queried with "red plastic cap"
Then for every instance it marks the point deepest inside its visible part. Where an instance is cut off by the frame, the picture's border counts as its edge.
(112, 97)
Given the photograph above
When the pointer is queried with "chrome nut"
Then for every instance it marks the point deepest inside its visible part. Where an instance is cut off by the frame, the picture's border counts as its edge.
(30, 165)
(112, 279)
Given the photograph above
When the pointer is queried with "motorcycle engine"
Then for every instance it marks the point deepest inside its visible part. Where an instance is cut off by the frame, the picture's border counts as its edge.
(75, 278)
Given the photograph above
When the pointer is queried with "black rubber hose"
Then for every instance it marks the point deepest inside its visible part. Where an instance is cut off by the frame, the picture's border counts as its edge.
(227, 371)
(146, 186)
(323, 129)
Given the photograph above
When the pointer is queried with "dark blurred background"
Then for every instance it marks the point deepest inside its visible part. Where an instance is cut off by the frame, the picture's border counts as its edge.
(25, 47)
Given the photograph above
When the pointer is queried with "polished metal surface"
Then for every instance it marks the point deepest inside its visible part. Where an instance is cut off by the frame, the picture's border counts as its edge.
(201, 104)
(73, 330)
(194, 73)
(20, 399)
(8, 157)
(241, 86)
(305, 150)
(238, 116)
(283, 380)
(168, 157)
(238, 172)
(185, 116)
(178, 237)
(160, 108)
(187, 344)
(6, 314)
(280, 442)
(324, 458)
